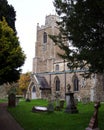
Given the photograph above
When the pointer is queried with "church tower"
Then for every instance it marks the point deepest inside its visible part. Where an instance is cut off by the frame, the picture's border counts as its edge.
(45, 48)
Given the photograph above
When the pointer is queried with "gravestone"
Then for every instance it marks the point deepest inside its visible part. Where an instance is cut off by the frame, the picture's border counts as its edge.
(57, 102)
(62, 103)
(57, 107)
(70, 104)
(93, 124)
(50, 107)
(12, 100)
(28, 96)
(85, 100)
(70, 101)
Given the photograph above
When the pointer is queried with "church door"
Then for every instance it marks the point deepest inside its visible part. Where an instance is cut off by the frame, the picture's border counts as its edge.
(33, 96)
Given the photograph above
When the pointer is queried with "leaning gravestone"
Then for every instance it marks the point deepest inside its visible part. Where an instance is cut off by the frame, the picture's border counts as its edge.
(12, 100)
(93, 124)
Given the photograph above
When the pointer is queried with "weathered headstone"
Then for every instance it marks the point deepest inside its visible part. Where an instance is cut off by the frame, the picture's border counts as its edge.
(50, 107)
(28, 96)
(93, 124)
(57, 102)
(85, 100)
(12, 100)
(62, 103)
(70, 102)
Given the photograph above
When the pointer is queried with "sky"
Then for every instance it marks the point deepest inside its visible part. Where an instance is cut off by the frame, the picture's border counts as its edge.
(28, 14)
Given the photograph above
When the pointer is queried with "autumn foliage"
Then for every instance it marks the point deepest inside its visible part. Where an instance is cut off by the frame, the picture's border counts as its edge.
(24, 81)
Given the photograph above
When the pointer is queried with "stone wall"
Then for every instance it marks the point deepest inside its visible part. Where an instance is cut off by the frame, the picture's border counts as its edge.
(87, 88)
(99, 88)
(65, 79)
(3, 92)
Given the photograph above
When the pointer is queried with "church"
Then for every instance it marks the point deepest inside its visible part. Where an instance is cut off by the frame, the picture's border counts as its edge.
(50, 74)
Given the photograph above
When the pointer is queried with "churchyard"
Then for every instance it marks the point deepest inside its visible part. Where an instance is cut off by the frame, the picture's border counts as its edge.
(56, 120)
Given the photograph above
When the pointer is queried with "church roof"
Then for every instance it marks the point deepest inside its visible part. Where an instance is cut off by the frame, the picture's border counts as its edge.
(43, 82)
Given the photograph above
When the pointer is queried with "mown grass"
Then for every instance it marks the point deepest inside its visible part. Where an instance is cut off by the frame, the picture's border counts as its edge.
(4, 100)
(59, 120)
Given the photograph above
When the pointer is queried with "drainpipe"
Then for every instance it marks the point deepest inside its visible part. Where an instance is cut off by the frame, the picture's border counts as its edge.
(65, 76)
(50, 83)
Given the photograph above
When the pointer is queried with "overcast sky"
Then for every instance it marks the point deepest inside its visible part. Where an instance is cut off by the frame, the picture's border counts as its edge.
(28, 14)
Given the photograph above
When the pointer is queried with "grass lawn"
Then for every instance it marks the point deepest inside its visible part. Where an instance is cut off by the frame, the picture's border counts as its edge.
(59, 120)
(3, 100)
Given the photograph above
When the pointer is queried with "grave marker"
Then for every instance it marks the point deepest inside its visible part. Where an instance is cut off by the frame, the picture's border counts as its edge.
(93, 124)
(12, 100)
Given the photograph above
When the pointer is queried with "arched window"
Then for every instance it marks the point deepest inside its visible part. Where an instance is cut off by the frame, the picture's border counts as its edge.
(57, 83)
(75, 83)
(45, 37)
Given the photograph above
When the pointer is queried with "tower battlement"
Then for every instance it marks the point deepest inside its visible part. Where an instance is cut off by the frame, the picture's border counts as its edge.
(50, 20)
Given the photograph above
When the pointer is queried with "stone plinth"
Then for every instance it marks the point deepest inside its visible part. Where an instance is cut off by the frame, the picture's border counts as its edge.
(70, 104)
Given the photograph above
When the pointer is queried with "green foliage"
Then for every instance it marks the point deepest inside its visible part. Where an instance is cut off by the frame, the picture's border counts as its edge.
(59, 120)
(4, 100)
(8, 12)
(82, 29)
(11, 55)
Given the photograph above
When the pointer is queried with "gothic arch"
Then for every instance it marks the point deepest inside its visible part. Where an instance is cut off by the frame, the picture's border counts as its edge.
(57, 83)
(75, 81)
(32, 90)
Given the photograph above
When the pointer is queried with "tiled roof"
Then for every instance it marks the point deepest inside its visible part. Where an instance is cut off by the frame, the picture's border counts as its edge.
(43, 82)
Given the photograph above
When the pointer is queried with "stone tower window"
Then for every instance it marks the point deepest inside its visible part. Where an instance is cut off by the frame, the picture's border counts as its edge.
(45, 37)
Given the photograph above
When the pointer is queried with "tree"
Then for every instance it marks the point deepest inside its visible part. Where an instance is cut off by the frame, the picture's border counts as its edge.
(11, 55)
(8, 12)
(81, 25)
(24, 82)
